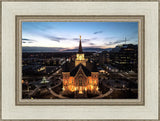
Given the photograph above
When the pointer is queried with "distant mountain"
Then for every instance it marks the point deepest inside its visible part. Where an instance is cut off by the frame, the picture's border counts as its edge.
(41, 49)
(51, 49)
(119, 47)
(89, 50)
(116, 49)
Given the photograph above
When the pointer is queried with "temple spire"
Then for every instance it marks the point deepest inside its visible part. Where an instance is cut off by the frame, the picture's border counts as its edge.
(80, 46)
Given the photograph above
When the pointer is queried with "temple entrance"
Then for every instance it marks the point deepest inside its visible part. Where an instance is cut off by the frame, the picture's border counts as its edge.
(80, 90)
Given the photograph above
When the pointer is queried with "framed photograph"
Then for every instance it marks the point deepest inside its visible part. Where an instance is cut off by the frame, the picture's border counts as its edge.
(98, 70)
(85, 60)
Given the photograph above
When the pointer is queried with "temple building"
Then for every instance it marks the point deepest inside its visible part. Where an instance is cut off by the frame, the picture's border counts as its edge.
(80, 76)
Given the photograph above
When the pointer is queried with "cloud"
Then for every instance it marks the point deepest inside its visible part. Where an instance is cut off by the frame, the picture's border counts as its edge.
(75, 39)
(94, 38)
(116, 42)
(55, 38)
(25, 40)
(91, 43)
(84, 40)
(111, 37)
(98, 32)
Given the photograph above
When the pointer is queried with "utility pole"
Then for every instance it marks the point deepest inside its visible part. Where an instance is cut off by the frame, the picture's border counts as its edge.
(125, 40)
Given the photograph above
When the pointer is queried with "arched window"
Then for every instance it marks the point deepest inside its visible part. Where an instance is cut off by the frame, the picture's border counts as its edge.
(80, 79)
(80, 82)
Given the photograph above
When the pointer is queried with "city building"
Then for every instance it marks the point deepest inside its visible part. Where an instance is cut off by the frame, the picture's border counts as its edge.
(125, 57)
(81, 76)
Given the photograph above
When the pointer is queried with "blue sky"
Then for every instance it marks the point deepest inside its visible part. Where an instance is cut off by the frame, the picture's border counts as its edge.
(66, 34)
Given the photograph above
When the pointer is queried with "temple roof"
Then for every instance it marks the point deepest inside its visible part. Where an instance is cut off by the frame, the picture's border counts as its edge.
(85, 70)
(70, 66)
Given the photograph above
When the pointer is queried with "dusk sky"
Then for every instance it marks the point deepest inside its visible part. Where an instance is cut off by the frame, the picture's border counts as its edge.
(66, 34)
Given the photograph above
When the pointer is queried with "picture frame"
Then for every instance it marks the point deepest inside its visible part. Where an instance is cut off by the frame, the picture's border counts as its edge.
(139, 101)
(143, 104)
